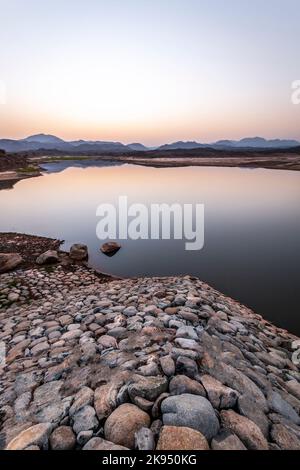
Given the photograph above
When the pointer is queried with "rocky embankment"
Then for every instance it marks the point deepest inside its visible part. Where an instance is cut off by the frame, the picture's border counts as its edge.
(150, 363)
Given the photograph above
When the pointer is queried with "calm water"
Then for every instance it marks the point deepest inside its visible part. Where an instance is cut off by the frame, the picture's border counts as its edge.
(252, 226)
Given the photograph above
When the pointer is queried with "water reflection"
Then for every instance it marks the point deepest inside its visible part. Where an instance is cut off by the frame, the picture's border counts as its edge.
(252, 226)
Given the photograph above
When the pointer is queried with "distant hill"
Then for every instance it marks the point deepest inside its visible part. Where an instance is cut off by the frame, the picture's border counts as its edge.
(181, 145)
(257, 142)
(43, 142)
(137, 146)
(44, 139)
(51, 142)
(248, 142)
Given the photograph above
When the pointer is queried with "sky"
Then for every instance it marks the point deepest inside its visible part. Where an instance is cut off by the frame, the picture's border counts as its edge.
(150, 71)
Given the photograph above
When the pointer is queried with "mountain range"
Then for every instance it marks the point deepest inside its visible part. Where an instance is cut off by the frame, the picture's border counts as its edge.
(51, 142)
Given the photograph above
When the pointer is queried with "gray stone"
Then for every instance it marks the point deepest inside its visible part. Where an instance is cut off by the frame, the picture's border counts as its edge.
(190, 411)
(26, 382)
(277, 404)
(48, 393)
(144, 439)
(130, 311)
(187, 332)
(85, 419)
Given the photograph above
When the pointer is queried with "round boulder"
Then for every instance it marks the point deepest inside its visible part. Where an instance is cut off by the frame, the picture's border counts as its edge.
(192, 411)
(121, 426)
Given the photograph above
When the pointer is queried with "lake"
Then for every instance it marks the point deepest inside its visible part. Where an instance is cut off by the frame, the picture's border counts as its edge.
(252, 225)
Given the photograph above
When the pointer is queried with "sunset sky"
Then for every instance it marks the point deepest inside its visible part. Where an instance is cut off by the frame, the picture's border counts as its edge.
(152, 71)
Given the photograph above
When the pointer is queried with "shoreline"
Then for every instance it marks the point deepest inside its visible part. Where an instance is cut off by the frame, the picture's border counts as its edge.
(102, 363)
(14, 168)
(29, 247)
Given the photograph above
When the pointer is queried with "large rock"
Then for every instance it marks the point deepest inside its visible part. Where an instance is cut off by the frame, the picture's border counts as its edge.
(79, 252)
(62, 438)
(191, 411)
(35, 435)
(121, 426)
(279, 405)
(218, 394)
(9, 261)
(110, 248)
(245, 429)
(49, 257)
(181, 438)
(148, 387)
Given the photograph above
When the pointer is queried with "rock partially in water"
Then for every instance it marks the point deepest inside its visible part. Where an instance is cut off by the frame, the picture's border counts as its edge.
(79, 252)
(110, 248)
